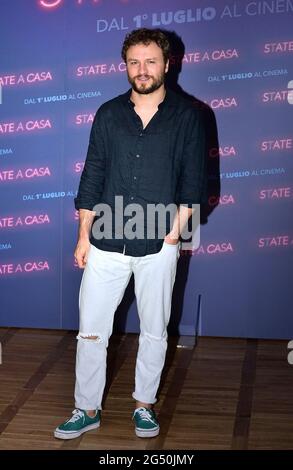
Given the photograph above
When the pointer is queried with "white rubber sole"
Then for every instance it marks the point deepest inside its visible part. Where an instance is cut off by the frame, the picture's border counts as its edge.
(144, 433)
(74, 434)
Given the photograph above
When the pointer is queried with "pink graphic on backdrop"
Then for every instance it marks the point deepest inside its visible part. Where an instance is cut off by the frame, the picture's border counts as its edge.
(224, 200)
(53, 4)
(275, 241)
(25, 78)
(78, 167)
(23, 174)
(278, 47)
(228, 102)
(26, 267)
(226, 151)
(24, 126)
(277, 144)
(211, 249)
(275, 96)
(23, 221)
(50, 3)
(275, 193)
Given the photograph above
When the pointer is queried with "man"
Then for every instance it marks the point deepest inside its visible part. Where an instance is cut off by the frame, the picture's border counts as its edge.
(147, 147)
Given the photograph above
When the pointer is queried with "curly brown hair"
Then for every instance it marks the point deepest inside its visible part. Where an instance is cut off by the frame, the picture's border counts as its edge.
(146, 36)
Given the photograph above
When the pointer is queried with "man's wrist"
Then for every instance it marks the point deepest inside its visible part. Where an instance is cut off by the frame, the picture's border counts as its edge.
(172, 238)
(174, 234)
(83, 237)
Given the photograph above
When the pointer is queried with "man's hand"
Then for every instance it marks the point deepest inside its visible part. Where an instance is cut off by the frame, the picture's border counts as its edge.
(81, 252)
(180, 220)
(171, 239)
(83, 245)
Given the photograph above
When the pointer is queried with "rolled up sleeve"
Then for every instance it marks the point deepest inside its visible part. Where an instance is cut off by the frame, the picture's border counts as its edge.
(92, 179)
(192, 186)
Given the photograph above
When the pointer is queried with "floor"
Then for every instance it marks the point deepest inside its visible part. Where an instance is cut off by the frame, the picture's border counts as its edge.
(226, 393)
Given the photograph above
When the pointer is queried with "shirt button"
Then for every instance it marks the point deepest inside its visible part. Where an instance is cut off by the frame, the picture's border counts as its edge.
(132, 198)
(134, 177)
(137, 156)
(140, 134)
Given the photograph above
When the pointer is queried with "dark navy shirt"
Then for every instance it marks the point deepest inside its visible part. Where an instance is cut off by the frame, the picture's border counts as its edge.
(161, 163)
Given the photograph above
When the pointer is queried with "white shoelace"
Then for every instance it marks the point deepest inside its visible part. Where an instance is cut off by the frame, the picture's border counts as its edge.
(145, 415)
(77, 414)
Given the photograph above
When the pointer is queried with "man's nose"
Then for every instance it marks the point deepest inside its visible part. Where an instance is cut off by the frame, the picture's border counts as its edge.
(142, 68)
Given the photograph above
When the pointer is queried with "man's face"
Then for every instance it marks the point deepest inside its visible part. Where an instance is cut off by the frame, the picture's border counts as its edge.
(146, 68)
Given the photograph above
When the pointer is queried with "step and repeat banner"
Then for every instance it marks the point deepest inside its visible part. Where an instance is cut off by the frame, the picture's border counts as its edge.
(59, 61)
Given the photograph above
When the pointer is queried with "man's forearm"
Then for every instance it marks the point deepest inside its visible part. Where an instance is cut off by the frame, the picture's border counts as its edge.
(85, 222)
(180, 220)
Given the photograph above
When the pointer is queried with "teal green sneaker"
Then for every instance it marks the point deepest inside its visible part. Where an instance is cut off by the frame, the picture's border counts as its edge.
(79, 423)
(146, 424)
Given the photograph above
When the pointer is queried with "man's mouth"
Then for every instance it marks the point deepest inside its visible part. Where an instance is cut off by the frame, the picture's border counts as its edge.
(143, 79)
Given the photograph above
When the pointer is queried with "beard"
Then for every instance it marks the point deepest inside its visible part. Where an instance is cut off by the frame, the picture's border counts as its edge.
(144, 88)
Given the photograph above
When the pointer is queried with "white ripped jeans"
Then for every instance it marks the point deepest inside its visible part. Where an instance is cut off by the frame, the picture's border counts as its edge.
(103, 284)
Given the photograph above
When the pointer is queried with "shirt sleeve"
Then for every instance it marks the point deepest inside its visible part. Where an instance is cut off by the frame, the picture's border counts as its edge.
(92, 179)
(192, 185)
